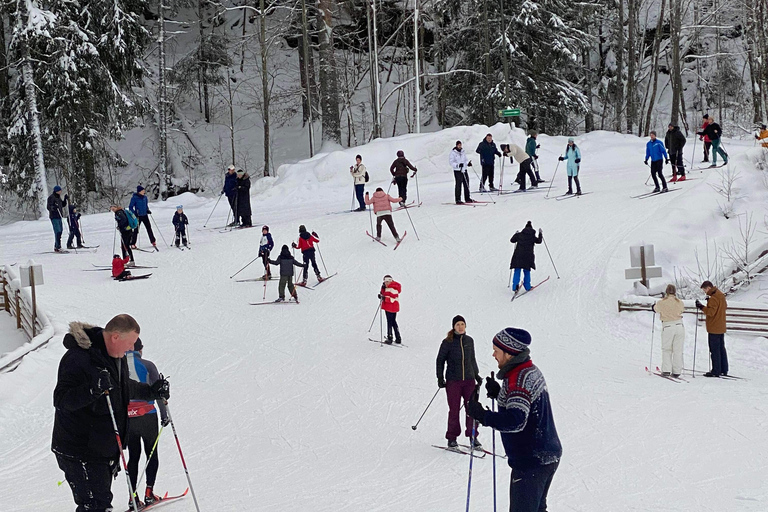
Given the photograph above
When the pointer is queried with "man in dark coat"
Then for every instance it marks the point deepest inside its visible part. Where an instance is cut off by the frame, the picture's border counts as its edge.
(244, 198)
(126, 232)
(523, 257)
(399, 170)
(83, 432)
(674, 140)
(488, 153)
(55, 206)
(230, 189)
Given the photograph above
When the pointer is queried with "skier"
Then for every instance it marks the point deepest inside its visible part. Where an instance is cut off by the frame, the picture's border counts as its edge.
(713, 131)
(55, 206)
(244, 198)
(670, 310)
(390, 303)
(488, 153)
(124, 227)
(306, 244)
(139, 206)
(524, 420)
(360, 176)
(654, 150)
(573, 155)
(83, 433)
(763, 136)
(530, 148)
(674, 141)
(142, 423)
(180, 222)
(118, 268)
(523, 258)
(460, 380)
(399, 171)
(714, 312)
(230, 189)
(707, 142)
(383, 210)
(286, 262)
(265, 247)
(458, 161)
(525, 161)
(73, 220)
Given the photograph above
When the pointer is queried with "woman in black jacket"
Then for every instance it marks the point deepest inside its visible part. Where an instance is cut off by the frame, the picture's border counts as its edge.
(523, 257)
(244, 198)
(461, 377)
(126, 233)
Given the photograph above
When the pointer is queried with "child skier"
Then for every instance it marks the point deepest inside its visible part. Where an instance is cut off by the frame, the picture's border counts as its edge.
(306, 244)
(265, 247)
(523, 257)
(286, 262)
(74, 227)
(390, 303)
(180, 222)
(573, 155)
(383, 210)
(118, 268)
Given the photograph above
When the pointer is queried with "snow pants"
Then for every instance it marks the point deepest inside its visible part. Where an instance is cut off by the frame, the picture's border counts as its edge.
(716, 149)
(309, 257)
(181, 235)
(672, 340)
(359, 193)
(286, 280)
(525, 170)
(487, 174)
(264, 253)
(91, 483)
(58, 229)
(528, 488)
(233, 206)
(142, 430)
(718, 354)
(125, 244)
(74, 232)
(392, 325)
(402, 187)
(143, 219)
(657, 169)
(390, 223)
(455, 390)
(572, 179)
(526, 278)
(462, 180)
(678, 166)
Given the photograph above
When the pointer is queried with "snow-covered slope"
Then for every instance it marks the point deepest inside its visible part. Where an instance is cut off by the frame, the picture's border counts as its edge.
(292, 408)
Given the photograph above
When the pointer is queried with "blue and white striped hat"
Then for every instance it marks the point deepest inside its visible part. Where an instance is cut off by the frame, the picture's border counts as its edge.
(512, 340)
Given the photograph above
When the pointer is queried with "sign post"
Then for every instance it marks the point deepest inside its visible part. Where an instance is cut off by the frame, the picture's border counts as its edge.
(642, 261)
(32, 275)
(509, 112)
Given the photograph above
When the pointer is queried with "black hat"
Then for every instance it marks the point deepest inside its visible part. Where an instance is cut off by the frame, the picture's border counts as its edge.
(138, 345)
(400, 154)
(458, 318)
(706, 116)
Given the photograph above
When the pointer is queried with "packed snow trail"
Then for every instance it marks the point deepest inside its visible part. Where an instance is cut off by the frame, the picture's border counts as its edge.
(294, 409)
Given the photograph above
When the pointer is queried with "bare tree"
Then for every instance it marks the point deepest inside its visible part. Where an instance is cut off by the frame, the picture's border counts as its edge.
(329, 85)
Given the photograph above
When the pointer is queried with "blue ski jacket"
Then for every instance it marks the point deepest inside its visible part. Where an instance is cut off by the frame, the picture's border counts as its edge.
(139, 205)
(655, 150)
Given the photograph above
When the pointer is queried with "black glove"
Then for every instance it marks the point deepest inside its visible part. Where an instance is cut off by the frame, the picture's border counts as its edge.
(476, 410)
(469, 164)
(561, 158)
(161, 388)
(102, 383)
(492, 388)
(165, 421)
(381, 296)
(149, 212)
(538, 146)
(645, 162)
(700, 134)
(114, 467)
(578, 160)
(757, 138)
(536, 157)
(66, 196)
(479, 380)
(293, 244)
(440, 382)
(541, 233)
(315, 235)
(394, 181)
(666, 161)
(461, 166)
(699, 304)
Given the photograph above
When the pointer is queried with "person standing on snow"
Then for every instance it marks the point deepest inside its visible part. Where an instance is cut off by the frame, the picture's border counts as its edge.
(306, 245)
(670, 310)
(674, 140)
(705, 138)
(265, 247)
(523, 258)
(530, 148)
(654, 150)
(457, 158)
(230, 189)
(488, 153)
(390, 303)
(460, 379)
(714, 312)
(359, 174)
(180, 222)
(286, 262)
(399, 171)
(383, 210)
(142, 421)
(139, 206)
(763, 136)
(518, 154)
(524, 419)
(55, 207)
(244, 198)
(573, 156)
(713, 131)
(73, 219)
(124, 227)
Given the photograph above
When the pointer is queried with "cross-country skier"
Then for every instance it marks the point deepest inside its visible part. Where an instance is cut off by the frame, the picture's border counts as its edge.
(524, 420)
(525, 161)
(118, 268)
(705, 138)
(383, 210)
(573, 156)
(458, 161)
(359, 174)
(55, 206)
(713, 131)
(488, 153)
(654, 150)
(523, 258)
(73, 220)
(306, 245)
(390, 303)
(461, 378)
(763, 136)
(244, 198)
(180, 222)
(83, 433)
(140, 207)
(124, 227)
(142, 421)
(674, 141)
(530, 148)
(714, 313)
(265, 247)
(399, 171)
(670, 310)
(286, 261)
(230, 189)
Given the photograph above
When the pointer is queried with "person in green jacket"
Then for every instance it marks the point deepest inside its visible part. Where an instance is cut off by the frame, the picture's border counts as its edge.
(530, 148)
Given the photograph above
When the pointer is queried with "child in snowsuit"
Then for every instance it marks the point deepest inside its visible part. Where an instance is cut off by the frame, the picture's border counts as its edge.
(74, 227)
(265, 247)
(383, 210)
(390, 303)
(573, 156)
(118, 268)
(306, 244)
(523, 257)
(180, 222)
(286, 262)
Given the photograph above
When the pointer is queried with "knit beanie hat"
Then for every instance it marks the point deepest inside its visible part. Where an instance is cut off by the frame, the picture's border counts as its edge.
(138, 345)
(529, 225)
(458, 318)
(139, 189)
(302, 229)
(512, 340)
(400, 154)
(180, 207)
(706, 116)
(57, 188)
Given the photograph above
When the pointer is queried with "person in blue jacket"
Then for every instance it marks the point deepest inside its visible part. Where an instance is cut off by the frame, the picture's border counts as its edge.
(573, 156)
(655, 150)
(230, 189)
(265, 247)
(139, 205)
(530, 148)
(488, 153)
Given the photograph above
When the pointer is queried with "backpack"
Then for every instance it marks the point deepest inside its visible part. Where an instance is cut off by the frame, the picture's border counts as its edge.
(133, 222)
(367, 177)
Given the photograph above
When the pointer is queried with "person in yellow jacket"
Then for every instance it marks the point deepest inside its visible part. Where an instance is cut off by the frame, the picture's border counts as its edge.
(715, 321)
(670, 310)
(763, 136)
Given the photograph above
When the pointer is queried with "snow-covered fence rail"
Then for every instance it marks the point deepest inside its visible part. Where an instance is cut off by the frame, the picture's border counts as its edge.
(36, 326)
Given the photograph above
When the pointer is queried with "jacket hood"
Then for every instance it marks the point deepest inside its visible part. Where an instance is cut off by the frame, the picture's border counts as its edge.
(304, 235)
(77, 336)
(379, 193)
(713, 291)
(455, 148)
(285, 252)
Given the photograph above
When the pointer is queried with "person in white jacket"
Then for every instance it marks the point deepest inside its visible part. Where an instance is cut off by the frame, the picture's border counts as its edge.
(358, 172)
(525, 160)
(670, 310)
(458, 160)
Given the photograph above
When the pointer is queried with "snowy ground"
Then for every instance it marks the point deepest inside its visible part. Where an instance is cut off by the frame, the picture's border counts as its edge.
(11, 338)
(291, 408)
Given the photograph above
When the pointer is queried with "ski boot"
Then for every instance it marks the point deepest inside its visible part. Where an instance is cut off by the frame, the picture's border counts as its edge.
(452, 444)
(397, 239)
(675, 375)
(71, 247)
(388, 341)
(665, 189)
(657, 189)
(476, 445)
(482, 188)
(398, 341)
(378, 239)
(492, 188)
(459, 202)
(303, 283)
(578, 192)
(280, 299)
(320, 279)
(674, 178)
(681, 178)
(665, 374)
(402, 203)
(131, 264)
(569, 193)
(294, 297)
(139, 504)
(150, 497)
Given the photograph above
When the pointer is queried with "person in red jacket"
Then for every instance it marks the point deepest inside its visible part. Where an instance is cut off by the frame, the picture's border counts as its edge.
(706, 139)
(306, 245)
(118, 268)
(390, 303)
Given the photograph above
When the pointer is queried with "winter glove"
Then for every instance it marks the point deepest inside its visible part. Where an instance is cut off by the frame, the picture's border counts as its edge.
(165, 421)
(538, 146)
(102, 383)
(293, 244)
(381, 296)
(461, 166)
(394, 181)
(535, 157)
(440, 382)
(413, 175)
(541, 233)
(476, 410)
(149, 212)
(479, 380)
(469, 164)
(561, 158)
(757, 138)
(315, 235)
(161, 388)
(700, 134)
(666, 161)
(492, 388)
(699, 304)
(578, 160)
(114, 467)
(645, 162)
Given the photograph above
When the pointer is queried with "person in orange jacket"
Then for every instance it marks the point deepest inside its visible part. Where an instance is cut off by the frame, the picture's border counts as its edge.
(763, 136)
(714, 312)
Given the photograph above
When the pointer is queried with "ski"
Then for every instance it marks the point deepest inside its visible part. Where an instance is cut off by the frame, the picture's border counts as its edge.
(256, 279)
(323, 280)
(681, 379)
(649, 194)
(109, 267)
(412, 204)
(236, 228)
(393, 344)
(79, 250)
(458, 450)
(710, 167)
(273, 302)
(522, 291)
(568, 196)
(307, 287)
(135, 278)
(473, 204)
(375, 239)
(339, 212)
(164, 499)
(669, 180)
(700, 372)
(401, 241)
(499, 455)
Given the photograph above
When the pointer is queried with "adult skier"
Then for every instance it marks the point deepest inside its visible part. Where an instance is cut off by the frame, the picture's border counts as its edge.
(230, 189)
(124, 227)
(457, 158)
(286, 262)
(142, 422)
(55, 206)
(460, 379)
(399, 171)
(488, 153)
(573, 156)
(524, 159)
(670, 310)
(705, 138)
(390, 303)
(714, 313)
(523, 257)
(73, 220)
(139, 206)
(654, 150)
(763, 136)
(383, 210)
(359, 176)
(306, 244)
(530, 148)
(180, 222)
(674, 141)
(83, 433)
(524, 419)
(244, 198)
(265, 247)
(713, 131)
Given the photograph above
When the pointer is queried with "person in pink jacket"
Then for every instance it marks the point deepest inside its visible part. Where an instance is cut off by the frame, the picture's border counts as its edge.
(382, 207)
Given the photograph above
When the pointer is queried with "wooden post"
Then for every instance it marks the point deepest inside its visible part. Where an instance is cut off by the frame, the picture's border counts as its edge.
(18, 310)
(643, 278)
(6, 301)
(34, 298)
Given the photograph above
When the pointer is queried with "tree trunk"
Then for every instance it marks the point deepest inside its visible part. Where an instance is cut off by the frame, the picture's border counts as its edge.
(631, 60)
(373, 67)
(5, 91)
(589, 118)
(487, 48)
(655, 79)
(675, 14)
(264, 82)
(329, 86)
(165, 181)
(30, 96)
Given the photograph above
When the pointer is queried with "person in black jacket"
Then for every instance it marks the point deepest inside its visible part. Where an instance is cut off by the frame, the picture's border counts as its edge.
(286, 262)
(674, 140)
(83, 433)
(461, 378)
(180, 222)
(55, 206)
(399, 172)
(244, 198)
(73, 220)
(523, 257)
(488, 153)
(126, 233)
(230, 189)
(713, 131)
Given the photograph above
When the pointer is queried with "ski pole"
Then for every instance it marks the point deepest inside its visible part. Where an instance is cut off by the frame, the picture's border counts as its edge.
(151, 453)
(553, 177)
(390, 184)
(425, 410)
(695, 340)
(414, 227)
(370, 217)
(381, 326)
(466, 178)
(181, 455)
(158, 230)
(321, 258)
(493, 408)
(114, 239)
(352, 207)
(501, 178)
(653, 328)
(122, 455)
(233, 275)
(471, 459)
(693, 153)
(377, 312)
(649, 177)
(550, 256)
(418, 199)
(214, 209)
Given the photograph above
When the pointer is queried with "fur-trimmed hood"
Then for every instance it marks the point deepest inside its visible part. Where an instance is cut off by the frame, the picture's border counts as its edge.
(78, 337)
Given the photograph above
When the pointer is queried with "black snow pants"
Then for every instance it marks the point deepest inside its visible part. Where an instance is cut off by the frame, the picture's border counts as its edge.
(91, 483)
(143, 430)
(657, 168)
